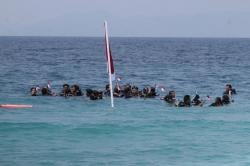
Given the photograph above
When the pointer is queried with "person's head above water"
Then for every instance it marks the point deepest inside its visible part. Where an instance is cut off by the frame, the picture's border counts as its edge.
(66, 88)
(73, 89)
(229, 90)
(170, 97)
(65, 85)
(196, 101)
(172, 94)
(228, 87)
(145, 90)
(187, 100)
(217, 102)
(33, 91)
(197, 97)
(45, 91)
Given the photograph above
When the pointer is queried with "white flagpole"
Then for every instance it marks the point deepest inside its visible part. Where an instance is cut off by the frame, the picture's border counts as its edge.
(109, 65)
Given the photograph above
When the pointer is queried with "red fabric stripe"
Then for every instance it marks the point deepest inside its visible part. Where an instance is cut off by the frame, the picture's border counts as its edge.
(111, 62)
(111, 59)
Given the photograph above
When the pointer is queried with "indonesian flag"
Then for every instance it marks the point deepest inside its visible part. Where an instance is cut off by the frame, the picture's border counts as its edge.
(109, 56)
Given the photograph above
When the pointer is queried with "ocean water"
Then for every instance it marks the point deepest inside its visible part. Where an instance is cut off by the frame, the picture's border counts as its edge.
(77, 131)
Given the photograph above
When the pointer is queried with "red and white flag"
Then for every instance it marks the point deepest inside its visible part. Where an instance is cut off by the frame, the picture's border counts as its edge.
(109, 57)
(110, 64)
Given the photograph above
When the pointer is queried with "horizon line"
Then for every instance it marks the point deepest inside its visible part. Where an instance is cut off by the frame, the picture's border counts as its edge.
(80, 36)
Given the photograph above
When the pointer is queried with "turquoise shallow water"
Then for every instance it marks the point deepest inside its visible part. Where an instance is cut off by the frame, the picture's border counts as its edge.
(77, 131)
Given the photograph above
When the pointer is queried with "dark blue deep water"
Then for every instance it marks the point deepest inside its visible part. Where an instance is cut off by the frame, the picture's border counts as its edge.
(77, 131)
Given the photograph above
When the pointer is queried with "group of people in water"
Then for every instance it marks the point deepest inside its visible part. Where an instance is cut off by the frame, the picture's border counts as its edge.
(196, 101)
(128, 91)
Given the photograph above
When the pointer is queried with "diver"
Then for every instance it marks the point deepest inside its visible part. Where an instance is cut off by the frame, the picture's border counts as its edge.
(186, 102)
(196, 101)
(94, 94)
(66, 90)
(229, 90)
(171, 97)
(107, 90)
(144, 92)
(127, 91)
(46, 92)
(117, 92)
(89, 92)
(225, 100)
(75, 90)
(33, 91)
(149, 92)
(135, 91)
(217, 103)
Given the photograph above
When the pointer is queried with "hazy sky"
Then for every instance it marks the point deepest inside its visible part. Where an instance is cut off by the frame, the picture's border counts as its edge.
(147, 18)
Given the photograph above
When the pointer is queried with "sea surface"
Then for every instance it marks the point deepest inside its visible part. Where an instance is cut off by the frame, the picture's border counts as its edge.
(76, 131)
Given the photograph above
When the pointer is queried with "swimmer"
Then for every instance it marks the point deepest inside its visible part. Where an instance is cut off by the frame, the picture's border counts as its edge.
(38, 89)
(152, 92)
(186, 102)
(149, 92)
(66, 90)
(135, 91)
(229, 90)
(75, 90)
(46, 91)
(89, 92)
(33, 91)
(196, 101)
(94, 94)
(225, 99)
(127, 92)
(97, 94)
(217, 102)
(171, 97)
(107, 90)
(117, 92)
